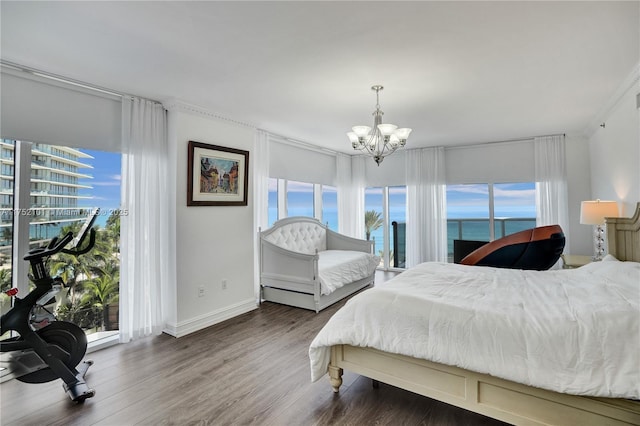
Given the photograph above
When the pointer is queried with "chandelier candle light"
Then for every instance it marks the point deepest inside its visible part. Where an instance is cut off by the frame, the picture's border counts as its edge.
(594, 213)
(382, 139)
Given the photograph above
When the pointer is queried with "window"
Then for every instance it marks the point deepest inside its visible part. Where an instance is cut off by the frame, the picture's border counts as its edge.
(374, 217)
(467, 214)
(6, 223)
(514, 207)
(385, 221)
(302, 199)
(61, 193)
(330, 207)
(273, 201)
(484, 212)
(397, 215)
(299, 199)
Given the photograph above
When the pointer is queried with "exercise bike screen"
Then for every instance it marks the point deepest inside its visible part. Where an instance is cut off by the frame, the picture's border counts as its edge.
(79, 238)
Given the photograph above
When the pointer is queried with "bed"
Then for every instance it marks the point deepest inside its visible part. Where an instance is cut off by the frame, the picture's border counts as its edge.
(593, 390)
(305, 264)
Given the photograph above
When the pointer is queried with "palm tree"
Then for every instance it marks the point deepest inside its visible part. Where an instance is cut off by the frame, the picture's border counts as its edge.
(113, 230)
(7, 235)
(100, 292)
(93, 278)
(372, 221)
(5, 284)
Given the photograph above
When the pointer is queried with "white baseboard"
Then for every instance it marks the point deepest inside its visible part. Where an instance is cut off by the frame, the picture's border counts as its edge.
(203, 321)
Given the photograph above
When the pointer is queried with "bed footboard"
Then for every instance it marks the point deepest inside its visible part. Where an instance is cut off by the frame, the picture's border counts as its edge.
(501, 399)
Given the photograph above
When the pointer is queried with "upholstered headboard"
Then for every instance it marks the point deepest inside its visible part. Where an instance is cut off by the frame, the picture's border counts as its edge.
(623, 235)
(300, 234)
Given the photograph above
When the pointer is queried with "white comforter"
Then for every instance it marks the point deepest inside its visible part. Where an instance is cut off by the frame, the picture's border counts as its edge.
(339, 267)
(571, 331)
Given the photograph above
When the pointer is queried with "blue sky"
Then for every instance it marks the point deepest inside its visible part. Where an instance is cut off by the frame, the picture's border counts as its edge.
(105, 182)
(510, 200)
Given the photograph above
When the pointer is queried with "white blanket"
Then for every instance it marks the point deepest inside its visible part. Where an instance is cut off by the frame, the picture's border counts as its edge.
(570, 331)
(339, 267)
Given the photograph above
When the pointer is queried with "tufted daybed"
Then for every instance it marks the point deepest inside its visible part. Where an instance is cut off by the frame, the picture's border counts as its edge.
(305, 264)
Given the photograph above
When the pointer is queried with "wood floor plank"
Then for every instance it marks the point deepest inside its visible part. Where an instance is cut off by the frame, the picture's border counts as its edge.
(250, 370)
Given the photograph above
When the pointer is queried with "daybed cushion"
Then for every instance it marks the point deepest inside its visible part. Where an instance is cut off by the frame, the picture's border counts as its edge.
(339, 267)
(301, 237)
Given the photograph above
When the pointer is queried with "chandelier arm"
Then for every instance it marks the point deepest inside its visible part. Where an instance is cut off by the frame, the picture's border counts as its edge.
(386, 150)
(375, 143)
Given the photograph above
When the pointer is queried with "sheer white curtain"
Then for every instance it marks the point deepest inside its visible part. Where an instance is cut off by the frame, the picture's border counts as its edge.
(350, 184)
(358, 176)
(426, 231)
(551, 183)
(260, 197)
(146, 268)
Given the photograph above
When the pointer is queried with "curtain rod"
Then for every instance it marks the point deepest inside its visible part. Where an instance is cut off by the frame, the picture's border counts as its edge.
(71, 81)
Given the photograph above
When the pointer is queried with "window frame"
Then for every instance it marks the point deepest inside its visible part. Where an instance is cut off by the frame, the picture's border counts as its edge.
(282, 186)
(386, 232)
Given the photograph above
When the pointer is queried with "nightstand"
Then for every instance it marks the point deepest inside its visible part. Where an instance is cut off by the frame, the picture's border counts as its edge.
(570, 261)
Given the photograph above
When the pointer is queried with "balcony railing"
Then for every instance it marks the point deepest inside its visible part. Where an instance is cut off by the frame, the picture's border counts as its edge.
(460, 229)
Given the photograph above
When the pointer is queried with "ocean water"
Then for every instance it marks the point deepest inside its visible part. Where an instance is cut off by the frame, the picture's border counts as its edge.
(457, 228)
(466, 229)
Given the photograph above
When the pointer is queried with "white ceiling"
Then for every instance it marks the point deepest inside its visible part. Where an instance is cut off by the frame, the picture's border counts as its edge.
(456, 72)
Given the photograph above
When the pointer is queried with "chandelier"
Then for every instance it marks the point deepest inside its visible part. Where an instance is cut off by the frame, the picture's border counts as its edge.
(382, 139)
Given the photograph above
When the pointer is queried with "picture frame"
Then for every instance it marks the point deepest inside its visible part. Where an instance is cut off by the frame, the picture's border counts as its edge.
(217, 175)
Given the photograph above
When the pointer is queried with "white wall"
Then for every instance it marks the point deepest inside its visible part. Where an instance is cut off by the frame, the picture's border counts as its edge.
(578, 172)
(212, 243)
(615, 153)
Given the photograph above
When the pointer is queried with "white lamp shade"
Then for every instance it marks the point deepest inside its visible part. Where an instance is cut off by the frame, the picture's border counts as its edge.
(361, 131)
(403, 133)
(352, 137)
(594, 212)
(387, 129)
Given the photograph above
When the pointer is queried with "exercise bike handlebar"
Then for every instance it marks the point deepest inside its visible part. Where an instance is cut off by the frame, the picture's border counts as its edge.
(56, 246)
(78, 252)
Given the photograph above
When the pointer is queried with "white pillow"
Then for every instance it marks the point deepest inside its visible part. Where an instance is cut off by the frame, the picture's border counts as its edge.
(610, 258)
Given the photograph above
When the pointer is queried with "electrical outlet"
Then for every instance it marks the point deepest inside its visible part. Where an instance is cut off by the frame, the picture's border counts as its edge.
(201, 291)
(224, 284)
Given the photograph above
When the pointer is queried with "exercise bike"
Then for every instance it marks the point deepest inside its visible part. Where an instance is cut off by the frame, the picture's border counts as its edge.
(46, 349)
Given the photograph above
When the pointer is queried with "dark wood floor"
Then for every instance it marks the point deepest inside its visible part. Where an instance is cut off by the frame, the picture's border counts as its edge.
(253, 369)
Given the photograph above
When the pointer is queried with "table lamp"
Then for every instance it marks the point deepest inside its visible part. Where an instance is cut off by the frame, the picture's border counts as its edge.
(594, 213)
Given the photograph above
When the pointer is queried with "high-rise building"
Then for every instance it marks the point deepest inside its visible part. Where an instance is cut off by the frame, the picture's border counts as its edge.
(54, 193)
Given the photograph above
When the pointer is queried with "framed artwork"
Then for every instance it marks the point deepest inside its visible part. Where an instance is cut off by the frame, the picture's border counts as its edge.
(217, 176)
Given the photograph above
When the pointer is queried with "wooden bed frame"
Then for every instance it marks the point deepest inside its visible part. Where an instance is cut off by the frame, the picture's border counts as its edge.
(501, 399)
